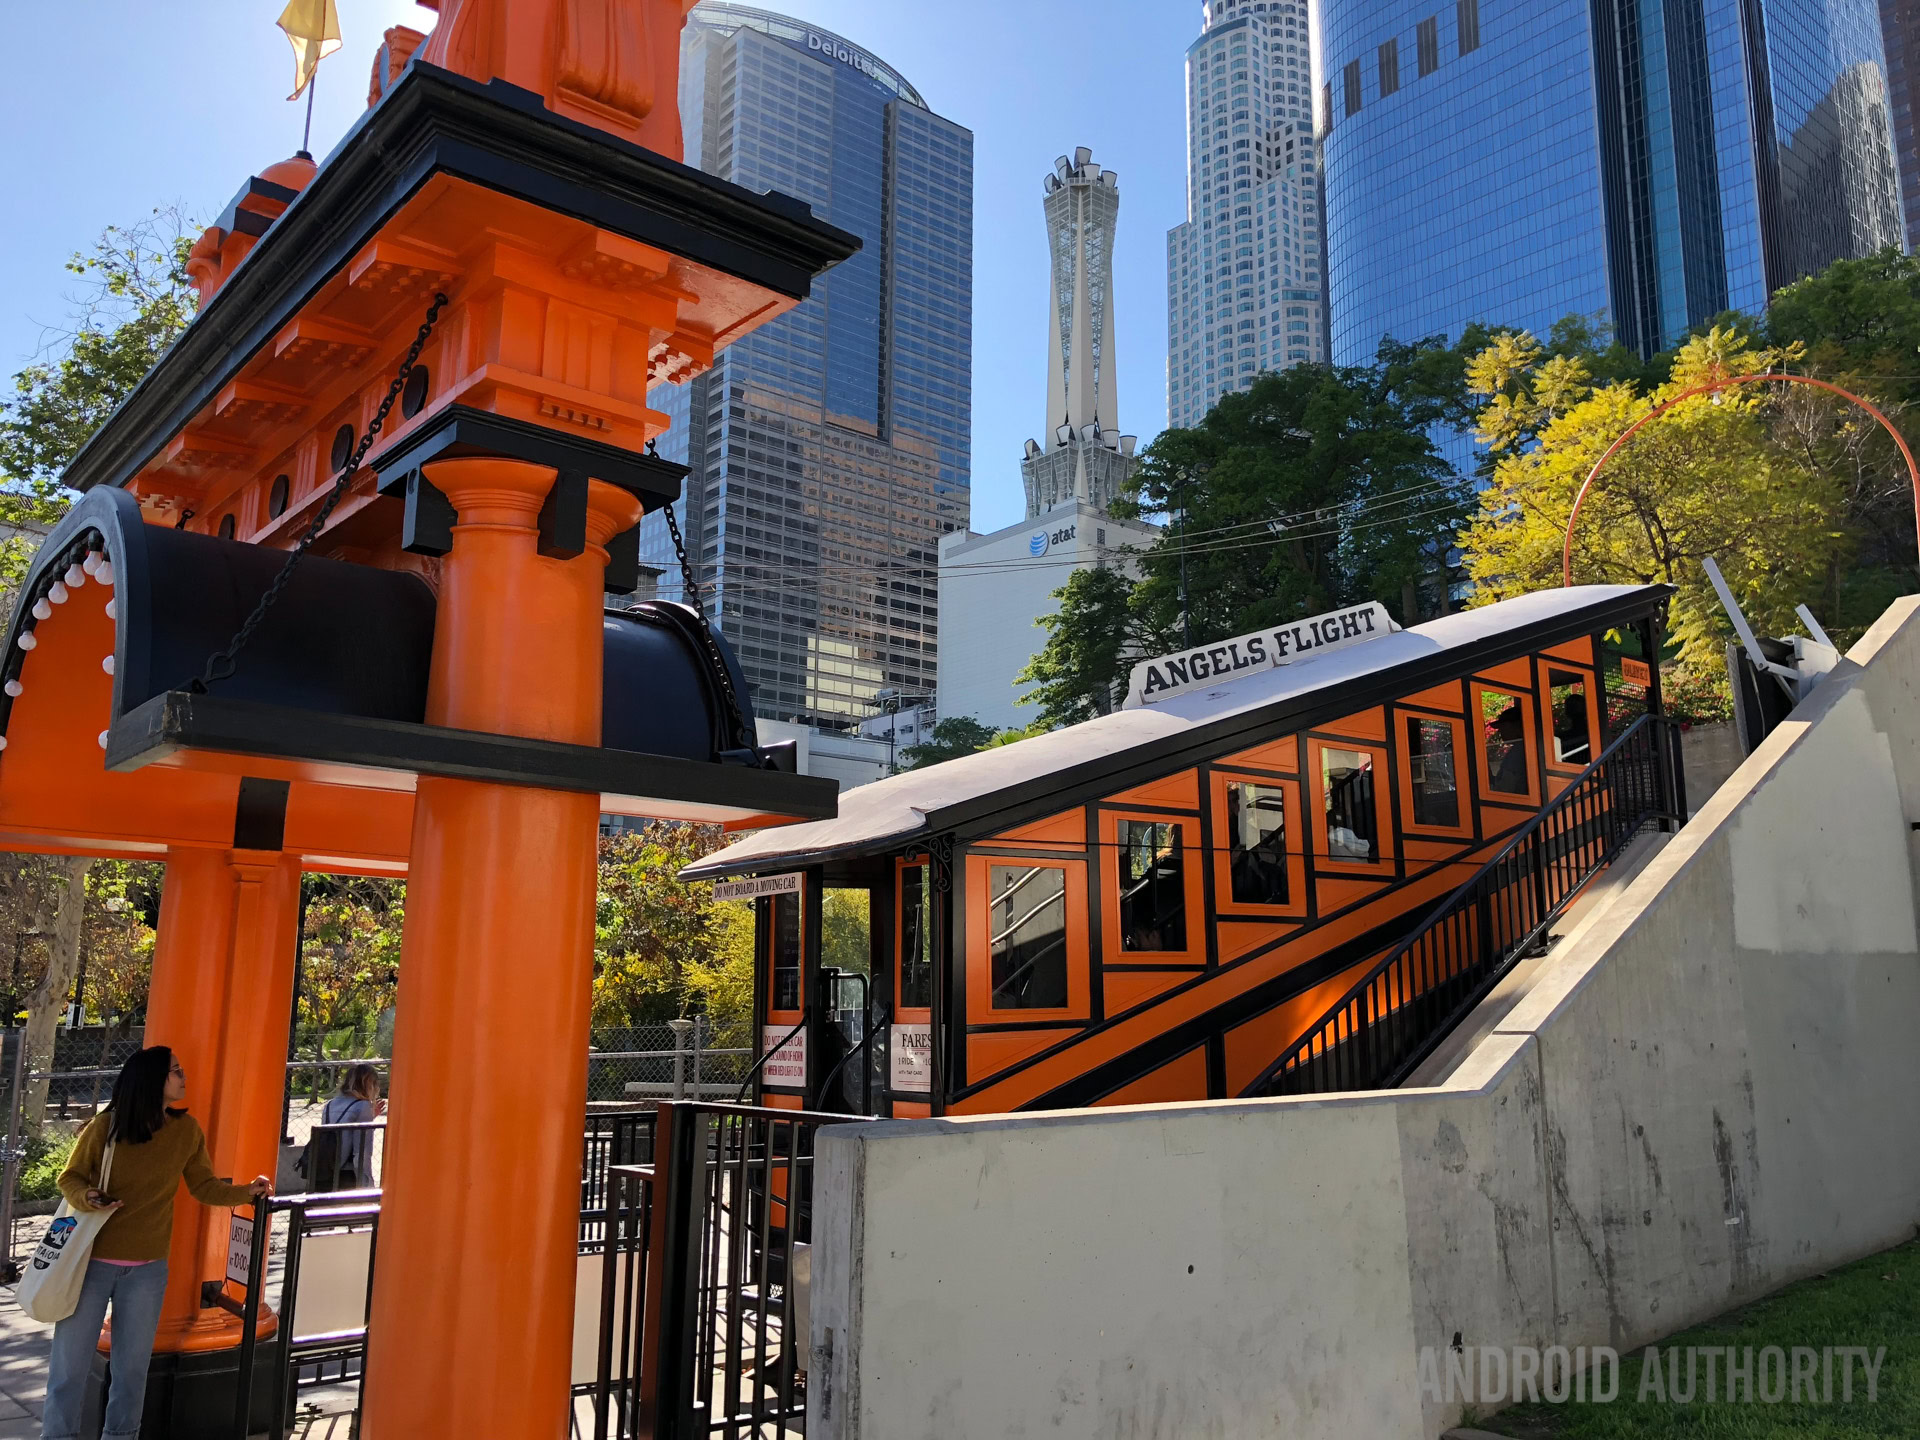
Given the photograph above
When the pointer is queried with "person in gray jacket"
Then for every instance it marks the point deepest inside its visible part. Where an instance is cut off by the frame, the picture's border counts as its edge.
(357, 1103)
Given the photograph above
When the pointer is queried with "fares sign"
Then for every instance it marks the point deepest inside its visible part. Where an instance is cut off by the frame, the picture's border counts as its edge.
(1208, 665)
(910, 1058)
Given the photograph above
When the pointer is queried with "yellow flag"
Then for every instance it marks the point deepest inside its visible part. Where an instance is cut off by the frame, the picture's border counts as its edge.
(314, 28)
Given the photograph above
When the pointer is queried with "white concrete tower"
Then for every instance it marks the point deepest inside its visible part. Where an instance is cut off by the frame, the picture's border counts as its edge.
(1245, 281)
(1084, 456)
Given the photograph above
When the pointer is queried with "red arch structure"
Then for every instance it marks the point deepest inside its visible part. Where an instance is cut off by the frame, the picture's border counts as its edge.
(1712, 387)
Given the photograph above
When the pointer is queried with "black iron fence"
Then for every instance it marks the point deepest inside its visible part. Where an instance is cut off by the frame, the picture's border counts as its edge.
(1398, 1013)
(705, 1321)
(325, 1294)
(320, 1289)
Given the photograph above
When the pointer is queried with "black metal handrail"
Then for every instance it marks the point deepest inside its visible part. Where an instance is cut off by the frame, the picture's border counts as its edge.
(704, 1322)
(1397, 1014)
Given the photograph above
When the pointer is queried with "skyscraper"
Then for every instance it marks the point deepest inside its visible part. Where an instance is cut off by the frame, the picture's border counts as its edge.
(1658, 161)
(1082, 455)
(1900, 28)
(830, 449)
(995, 588)
(1244, 278)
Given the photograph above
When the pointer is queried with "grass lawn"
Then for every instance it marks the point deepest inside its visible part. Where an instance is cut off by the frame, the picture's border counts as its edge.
(1872, 1303)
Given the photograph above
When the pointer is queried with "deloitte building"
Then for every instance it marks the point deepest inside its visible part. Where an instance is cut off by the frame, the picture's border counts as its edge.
(830, 448)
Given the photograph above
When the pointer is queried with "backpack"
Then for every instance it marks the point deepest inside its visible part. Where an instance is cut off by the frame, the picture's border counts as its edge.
(319, 1162)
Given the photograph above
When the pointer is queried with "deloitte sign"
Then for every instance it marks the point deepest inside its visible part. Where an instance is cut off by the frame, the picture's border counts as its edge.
(827, 45)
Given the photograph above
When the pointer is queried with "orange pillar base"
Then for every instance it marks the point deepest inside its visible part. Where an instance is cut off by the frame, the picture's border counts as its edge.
(472, 1323)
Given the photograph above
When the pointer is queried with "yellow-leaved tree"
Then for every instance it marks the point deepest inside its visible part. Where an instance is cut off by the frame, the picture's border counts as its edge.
(1706, 479)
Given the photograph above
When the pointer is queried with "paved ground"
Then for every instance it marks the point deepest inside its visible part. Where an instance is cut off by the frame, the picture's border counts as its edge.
(23, 1371)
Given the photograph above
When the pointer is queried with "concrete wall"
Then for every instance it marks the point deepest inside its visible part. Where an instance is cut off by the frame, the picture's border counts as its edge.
(1708, 1095)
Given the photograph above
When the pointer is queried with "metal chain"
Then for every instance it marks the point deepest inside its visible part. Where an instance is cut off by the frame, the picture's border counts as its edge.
(692, 588)
(687, 582)
(220, 664)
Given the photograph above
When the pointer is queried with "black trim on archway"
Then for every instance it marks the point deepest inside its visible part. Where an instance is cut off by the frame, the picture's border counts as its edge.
(338, 671)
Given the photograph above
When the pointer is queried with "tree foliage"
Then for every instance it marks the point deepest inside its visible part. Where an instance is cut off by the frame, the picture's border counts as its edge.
(1857, 324)
(962, 735)
(662, 947)
(134, 299)
(949, 739)
(1707, 479)
(846, 924)
(1316, 488)
(349, 963)
(1093, 637)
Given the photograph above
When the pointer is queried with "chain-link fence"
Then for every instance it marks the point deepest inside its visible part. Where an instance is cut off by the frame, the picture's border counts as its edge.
(675, 1061)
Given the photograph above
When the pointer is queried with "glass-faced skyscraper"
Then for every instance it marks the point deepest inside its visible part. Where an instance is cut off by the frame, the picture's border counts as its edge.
(1658, 161)
(1244, 278)
(830, 449)
(1900, 27)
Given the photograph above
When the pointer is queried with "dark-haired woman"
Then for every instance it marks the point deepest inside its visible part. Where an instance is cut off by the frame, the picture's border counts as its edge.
(156, 1145)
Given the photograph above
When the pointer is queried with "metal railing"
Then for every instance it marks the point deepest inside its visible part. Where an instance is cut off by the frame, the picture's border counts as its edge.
(330, 1246)
(1380, 1031)
(331, 1351)
(706, 1294)
(613, 1140)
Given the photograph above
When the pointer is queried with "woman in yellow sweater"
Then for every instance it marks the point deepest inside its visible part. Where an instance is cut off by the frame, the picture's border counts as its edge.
(156, 1145)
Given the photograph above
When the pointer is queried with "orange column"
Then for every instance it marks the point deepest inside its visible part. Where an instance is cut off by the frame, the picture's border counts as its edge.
(473, 1294)
(222, 986)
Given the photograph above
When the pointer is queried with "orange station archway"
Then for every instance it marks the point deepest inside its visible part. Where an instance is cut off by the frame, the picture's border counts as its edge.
(435, 690)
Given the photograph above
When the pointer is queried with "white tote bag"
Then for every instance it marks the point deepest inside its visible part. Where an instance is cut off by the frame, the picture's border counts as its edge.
(49, 1290)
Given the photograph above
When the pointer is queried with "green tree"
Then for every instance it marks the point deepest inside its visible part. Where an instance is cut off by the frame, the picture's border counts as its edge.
(1858, 325)
(133, 301)
(720, 982)
(949, 739)
(1706, 480)
(1093, 637)
(123, 909)
(349, 962)
(1316, 488)
(649, 924)
(846, 923)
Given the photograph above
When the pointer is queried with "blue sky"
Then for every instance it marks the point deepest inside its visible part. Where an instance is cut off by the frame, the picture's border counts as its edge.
(118, 106)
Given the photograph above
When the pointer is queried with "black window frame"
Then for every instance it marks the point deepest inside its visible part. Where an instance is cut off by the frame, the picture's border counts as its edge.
(915, 962)
(1415, 750)
(1427, 45)
(1164, 883)
(1468, 14)
(999, 977)
(1236, 851)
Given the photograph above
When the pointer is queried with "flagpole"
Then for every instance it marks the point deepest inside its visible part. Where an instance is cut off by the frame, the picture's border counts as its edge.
(306, 135)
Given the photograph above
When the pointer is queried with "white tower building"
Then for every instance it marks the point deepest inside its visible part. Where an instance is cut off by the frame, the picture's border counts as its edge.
(1083, 456)
(1246, 285)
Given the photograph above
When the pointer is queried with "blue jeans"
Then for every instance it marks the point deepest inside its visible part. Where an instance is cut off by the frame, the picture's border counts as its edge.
(135, 1291)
